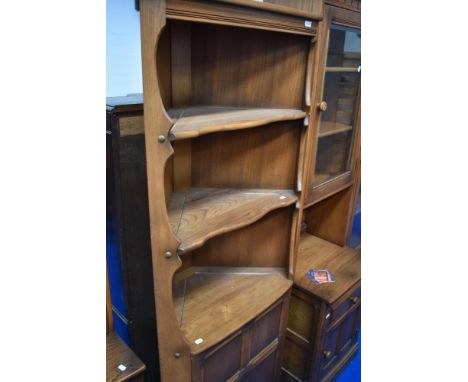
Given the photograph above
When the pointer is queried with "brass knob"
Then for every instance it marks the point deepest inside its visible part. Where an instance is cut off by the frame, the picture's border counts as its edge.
(168, 255)
(322, 106)
(161, 138)
(354, 299)
(327, 353)
(177, 355)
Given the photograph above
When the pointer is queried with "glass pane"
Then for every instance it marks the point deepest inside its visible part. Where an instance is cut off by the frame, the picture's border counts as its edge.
(341, 87)
(344, 47)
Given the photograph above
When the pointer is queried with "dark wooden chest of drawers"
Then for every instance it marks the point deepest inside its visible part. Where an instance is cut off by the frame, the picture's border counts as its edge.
(324, 320)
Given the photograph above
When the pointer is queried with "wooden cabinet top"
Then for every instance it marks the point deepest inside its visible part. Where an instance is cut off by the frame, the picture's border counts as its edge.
(344, 263)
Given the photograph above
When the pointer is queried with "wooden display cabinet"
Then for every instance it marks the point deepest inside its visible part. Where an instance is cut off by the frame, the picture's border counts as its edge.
(227, 94)
(324, 319)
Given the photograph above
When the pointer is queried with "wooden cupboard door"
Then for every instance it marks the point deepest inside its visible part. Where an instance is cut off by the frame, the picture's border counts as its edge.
(266, 329)
(224, 362)
(340, 340)
(265, 370)
(330, 349)
(348, 331)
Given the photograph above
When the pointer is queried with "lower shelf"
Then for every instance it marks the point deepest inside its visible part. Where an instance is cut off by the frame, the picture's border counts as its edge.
(214, 302)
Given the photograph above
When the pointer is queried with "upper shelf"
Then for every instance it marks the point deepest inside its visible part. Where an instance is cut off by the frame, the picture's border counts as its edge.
(192, 122)
(228, 297)
(199, 214)
(344, 263)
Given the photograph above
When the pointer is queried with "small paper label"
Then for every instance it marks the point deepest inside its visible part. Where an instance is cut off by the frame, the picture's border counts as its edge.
(308, 24)
(320, 276)
(122, 367)
(198, 341)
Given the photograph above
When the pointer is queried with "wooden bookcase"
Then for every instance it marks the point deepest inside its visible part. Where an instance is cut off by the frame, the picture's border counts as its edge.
(244, 195)
(227, 91)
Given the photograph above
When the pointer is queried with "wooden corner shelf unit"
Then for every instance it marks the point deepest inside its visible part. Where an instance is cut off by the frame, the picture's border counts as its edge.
(251, 129)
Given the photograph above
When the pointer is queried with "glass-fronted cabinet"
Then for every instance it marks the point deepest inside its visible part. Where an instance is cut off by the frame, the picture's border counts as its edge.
(339, 108)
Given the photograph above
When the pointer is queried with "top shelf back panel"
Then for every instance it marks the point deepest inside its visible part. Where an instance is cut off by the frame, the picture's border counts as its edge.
(195, 121)
(205, 65)
(248, 14)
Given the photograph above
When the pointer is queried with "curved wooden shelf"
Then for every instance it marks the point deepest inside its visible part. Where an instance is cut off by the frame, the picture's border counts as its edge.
(192, 122)
(199, 214)
(214, 302)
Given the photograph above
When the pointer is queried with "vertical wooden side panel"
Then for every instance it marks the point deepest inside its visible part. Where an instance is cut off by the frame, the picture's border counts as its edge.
(171, 341)
(313, 87)
(356, 167)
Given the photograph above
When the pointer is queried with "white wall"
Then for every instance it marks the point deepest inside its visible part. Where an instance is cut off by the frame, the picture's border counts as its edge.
(123, 53)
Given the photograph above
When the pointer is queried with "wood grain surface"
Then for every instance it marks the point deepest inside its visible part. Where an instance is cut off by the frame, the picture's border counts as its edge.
(199, 214)
(214, 302)
(342, 262)
(118, 353)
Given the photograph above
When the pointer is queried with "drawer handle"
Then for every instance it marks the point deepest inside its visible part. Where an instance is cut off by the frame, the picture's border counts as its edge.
(354, 299)
(327, 353)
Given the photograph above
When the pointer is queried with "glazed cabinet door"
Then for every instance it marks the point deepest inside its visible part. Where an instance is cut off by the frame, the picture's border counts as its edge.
(340, 103)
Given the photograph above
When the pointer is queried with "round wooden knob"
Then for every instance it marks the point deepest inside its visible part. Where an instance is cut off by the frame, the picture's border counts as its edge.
(327, 353)
(354, 299)
(322, 106)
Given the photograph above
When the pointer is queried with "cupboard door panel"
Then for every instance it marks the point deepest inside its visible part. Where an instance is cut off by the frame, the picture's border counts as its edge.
(330, 349)
(265, 371)
(224, 362)
(266, 329)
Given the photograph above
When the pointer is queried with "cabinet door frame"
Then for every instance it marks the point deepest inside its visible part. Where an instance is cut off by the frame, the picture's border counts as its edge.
(351, 19)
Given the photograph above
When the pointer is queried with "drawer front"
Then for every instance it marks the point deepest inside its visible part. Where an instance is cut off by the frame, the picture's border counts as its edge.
(352, 299)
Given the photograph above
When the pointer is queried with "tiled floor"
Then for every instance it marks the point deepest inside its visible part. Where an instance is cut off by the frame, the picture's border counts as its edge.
(352, 372)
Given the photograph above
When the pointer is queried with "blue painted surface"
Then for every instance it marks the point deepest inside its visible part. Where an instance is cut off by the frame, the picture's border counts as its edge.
(355, 238)
(352, 371)
(114, 271)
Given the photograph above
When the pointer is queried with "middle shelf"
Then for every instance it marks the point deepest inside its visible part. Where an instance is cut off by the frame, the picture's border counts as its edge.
(227, 296)
(194, 121)
(199, 214)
